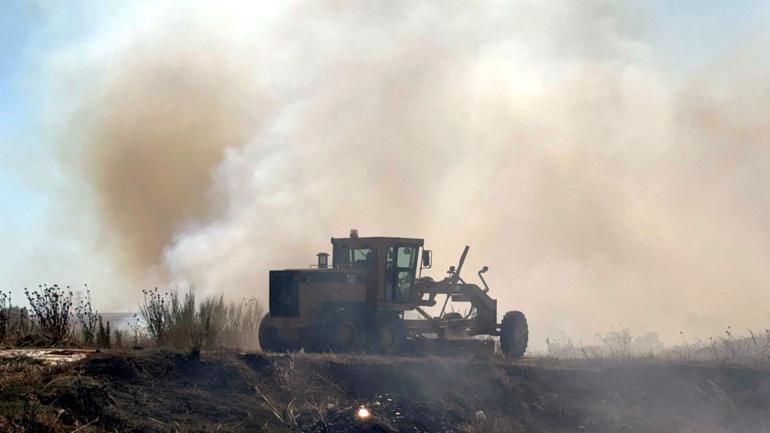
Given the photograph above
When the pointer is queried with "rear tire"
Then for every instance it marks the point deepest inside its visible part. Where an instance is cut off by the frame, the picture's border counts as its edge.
(514, 334)
(341, 331)
(270, 338)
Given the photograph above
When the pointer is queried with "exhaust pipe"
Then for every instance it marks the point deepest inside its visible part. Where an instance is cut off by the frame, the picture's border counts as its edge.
(323, 260)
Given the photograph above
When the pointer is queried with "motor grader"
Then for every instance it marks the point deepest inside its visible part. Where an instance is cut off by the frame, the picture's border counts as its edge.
(373, 297)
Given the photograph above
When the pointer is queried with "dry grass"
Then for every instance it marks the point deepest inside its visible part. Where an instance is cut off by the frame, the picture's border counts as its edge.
(183, 321)
(21, 382)
(165, 390)
(313, 394)
(751, 349)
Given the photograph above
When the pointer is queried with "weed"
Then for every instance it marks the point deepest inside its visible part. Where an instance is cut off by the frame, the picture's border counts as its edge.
(618, 343)
(156, 314)
(136, 329)
(117, 335)
(51, 307)
(5, 314)
(103, 334)
(560, 347)
(88, 319)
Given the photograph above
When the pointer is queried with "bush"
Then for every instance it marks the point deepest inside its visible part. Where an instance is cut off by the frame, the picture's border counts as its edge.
(184, 322)
(88, 319)
(103, 334)
(156, 314)
(14, 321)
(19, 324)
(5, 314)
(618, 343)
(51, 311)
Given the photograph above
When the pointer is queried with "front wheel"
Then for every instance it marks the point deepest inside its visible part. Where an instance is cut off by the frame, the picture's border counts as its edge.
(514, 334)
(391, 336)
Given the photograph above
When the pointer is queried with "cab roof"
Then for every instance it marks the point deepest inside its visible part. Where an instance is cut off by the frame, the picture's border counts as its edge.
(377, 240)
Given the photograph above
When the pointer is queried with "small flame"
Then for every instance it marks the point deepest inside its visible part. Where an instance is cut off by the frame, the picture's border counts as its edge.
(363, 413)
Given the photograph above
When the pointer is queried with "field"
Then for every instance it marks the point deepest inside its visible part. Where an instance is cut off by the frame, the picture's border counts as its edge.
(171, 371)
(162, 390)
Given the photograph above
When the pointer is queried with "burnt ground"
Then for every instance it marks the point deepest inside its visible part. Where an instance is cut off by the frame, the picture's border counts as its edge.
(165, 391)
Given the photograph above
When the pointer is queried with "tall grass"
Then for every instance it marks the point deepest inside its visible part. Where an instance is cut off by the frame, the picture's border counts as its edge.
(181, 320)
(730, 348)
(5, 314)
(241, 324)
(16, 323)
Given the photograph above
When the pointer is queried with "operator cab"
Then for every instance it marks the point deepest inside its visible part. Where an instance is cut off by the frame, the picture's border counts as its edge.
(390, 263)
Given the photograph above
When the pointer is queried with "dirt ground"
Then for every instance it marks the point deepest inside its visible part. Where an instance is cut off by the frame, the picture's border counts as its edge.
(166, 391)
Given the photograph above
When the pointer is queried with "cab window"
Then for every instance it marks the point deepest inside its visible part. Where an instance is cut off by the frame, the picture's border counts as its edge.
(362, 258)
(399, 273)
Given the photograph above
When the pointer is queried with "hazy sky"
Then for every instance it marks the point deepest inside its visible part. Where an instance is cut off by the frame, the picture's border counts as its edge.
(60, 186)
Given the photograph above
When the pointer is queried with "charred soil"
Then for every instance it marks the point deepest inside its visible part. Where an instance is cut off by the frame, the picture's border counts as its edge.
(166, 391)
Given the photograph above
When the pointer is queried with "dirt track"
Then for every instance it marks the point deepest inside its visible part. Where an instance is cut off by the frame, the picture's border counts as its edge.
(161, 391)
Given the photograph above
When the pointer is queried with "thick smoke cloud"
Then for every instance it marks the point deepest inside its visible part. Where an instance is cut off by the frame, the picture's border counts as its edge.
(602, 192)
(159, 123)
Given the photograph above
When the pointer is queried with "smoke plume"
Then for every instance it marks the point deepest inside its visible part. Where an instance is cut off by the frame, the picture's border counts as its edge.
(600, 190)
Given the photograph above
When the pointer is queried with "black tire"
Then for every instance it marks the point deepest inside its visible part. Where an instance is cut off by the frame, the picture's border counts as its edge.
(453, 316)
(270, 338)
(514, 334)
(341, 331)
(390, 337)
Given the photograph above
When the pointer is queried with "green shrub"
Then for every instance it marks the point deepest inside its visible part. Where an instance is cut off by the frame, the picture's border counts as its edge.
(51, 308)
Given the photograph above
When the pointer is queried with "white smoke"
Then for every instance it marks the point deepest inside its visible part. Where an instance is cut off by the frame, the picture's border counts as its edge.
(599, 190)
